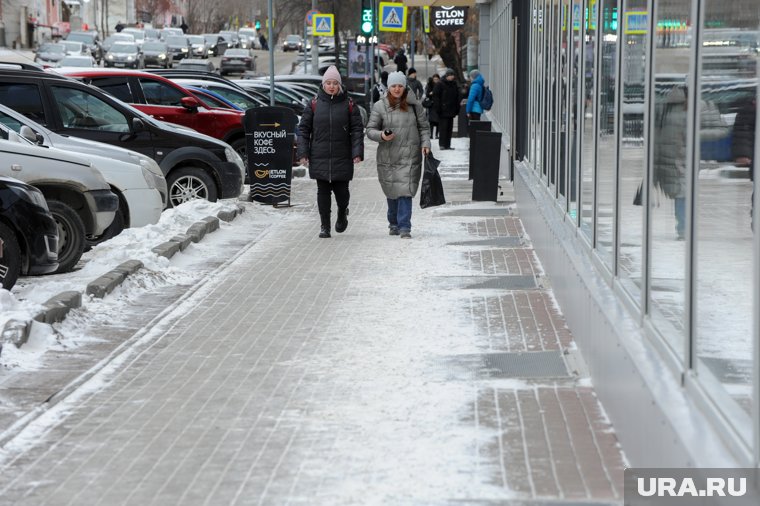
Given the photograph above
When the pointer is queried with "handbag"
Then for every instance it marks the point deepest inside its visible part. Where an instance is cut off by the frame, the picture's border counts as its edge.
(427, 103)
(432, 187)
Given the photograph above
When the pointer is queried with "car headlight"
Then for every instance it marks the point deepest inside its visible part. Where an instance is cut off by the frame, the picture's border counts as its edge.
(162, 56)
(184, 50)
(130, 58)
(109, 57)
(235, 158)
(31, 195)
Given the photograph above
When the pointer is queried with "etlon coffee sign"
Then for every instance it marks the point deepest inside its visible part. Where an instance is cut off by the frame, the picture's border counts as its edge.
(449, 19)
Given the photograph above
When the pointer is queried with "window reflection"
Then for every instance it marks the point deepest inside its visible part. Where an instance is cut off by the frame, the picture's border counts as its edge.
(633, 160)
(588, 159)
(607, 139)
(724, 260)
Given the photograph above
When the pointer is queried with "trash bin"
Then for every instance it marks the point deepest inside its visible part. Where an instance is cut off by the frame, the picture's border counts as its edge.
(462, 121)
(472, 127)
(485, 176)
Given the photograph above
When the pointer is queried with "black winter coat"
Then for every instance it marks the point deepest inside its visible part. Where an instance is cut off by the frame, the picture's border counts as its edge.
(331, 138)
(446, 98)
(744, 133)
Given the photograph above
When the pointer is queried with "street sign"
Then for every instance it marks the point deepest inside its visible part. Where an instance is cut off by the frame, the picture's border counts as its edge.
(392, 17)
(426, 18)
(269, 137)
(324, 25)
(449, 19)
(310, 16)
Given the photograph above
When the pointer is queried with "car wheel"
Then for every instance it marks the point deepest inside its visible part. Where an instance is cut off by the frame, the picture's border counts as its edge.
(190, 183)
(71, 235)
(10, 262)
(115, 228)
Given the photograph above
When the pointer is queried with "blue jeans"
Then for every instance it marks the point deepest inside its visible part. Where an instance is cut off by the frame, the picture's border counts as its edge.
(400, 213)
(680, 207)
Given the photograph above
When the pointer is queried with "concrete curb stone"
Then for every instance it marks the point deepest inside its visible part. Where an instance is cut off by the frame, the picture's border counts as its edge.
(56, 308)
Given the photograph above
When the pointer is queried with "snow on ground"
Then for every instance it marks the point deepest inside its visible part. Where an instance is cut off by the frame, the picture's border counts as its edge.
(184, 268)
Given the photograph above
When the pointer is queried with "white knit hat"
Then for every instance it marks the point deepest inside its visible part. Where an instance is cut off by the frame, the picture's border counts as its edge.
(332, 73)
(395, 78)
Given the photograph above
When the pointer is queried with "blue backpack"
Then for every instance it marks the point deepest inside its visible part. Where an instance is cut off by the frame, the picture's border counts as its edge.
(487, 101)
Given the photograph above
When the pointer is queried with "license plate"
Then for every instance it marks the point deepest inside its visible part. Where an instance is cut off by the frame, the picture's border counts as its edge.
(236, 61)
(119, 64)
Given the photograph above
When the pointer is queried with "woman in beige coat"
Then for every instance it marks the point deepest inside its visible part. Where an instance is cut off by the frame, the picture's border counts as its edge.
(399, 124)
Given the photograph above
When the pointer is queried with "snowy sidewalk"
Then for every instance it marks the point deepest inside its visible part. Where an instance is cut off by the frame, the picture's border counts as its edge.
(363, 369)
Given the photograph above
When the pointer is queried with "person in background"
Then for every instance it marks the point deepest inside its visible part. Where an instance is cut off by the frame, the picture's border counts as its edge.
(428, 103)
(184, 27)
(446, 96)
(743, 142)
(397, 122)
(477, 89)
(381, 87)
(263, 42)
(119, 26)
(330, 142)
(414, 84)
(400, 61)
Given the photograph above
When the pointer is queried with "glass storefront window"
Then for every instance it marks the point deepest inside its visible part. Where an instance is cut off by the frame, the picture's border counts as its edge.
(724, 293)
(633, 159)
(606, 144)
(588, 158)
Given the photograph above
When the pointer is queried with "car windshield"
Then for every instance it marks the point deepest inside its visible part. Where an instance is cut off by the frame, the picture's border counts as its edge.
(176, 40)
(293, 38)
(196, 39)
(137, 34)
(124, 47)
(211, 39)
(236, 97)
(152, 33)
(72, 45)
(154, 46)
(236, 52)
(52, 48)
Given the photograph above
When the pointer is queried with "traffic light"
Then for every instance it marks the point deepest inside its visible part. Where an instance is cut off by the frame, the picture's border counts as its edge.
(258, 24)
(367, 24)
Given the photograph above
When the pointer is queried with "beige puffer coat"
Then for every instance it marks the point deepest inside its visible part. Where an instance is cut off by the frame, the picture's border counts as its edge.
(399, 162)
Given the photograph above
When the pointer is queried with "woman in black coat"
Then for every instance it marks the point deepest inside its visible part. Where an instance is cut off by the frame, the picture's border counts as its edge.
(446, 98)
(330, 142)
(429, 103)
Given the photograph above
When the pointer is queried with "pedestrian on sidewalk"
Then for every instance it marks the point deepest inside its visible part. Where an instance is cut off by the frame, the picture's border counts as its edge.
(429, 104)
(477, 90)
(398, 123)
(330, 142)
(400, 61)
(414, 84)
(446, 97)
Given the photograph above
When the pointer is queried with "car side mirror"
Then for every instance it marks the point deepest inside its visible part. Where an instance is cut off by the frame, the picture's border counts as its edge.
(138, 125)
(29, 134)
(191, 103)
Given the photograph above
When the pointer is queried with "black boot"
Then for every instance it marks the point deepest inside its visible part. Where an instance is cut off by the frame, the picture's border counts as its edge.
(342, 222)
(324, 232)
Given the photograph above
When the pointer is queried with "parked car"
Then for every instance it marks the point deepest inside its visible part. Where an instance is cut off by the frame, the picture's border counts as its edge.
(232, 38)
(90, 40)
(236, 60)
(156, 54)
(211, 98)
(216, 44)
(194, 165)
(242, 98)
(78, 196)
(74, 48)
(50, 53)
(124, 54)
(179, 46)
(168, 101)
(170, 31)
(292, 43)
(80, 60)
(198, 46)
(28, 233)
(198, 65)
(134, 178)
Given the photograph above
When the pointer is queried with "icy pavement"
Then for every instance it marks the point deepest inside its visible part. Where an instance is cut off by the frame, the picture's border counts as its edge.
(340, 371)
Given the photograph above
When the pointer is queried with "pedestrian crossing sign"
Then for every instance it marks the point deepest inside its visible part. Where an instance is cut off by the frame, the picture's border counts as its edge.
(324, 25)
(392, 17)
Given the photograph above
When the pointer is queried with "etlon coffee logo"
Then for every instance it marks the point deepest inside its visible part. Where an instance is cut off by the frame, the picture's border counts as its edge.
(449, 19)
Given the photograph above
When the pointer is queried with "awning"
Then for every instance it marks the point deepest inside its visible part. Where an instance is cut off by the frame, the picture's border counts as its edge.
(439, 3)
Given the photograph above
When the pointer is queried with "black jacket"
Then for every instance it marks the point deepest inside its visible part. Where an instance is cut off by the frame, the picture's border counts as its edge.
(744, 133)
(331, 138)
(446, 98)
(400, 61)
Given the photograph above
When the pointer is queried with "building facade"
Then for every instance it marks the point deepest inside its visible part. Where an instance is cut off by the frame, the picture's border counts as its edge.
(630, 131)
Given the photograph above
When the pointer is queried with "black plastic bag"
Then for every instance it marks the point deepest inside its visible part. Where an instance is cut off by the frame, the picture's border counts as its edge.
(432, 187)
